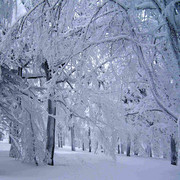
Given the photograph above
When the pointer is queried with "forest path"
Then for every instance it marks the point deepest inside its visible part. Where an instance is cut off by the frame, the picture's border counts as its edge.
(87, 166)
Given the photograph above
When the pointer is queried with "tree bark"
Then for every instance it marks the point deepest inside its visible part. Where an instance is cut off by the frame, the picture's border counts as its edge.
(96, 148)
(50, 143)
(14, 152)
(61, 140)
(58, 140)
(122, 148)
(14, 129)
(60, 137)
(128, 149)
(149, 150)
(73, 139)
(89, 137)
(136, 145)
(33, 141)
(174, 152)
(165, 154)
(118, 149)
(83, 148)
(10, 129)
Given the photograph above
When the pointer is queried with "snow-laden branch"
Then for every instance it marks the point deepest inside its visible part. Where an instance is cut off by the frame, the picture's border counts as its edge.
(153, 86)
(145, 5)
(28, 13)
(146, 68)
(151, 110)
(120, 5)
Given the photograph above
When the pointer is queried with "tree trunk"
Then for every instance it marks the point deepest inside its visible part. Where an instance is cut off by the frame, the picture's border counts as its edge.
(102, 149)
(1, 136)
(174, 153)
(118, 149)
(58, 140)
(33, 141)
(174, 40)
(14, 152)
(50, 143)
(72, 139)
(122, 148)
(165, 154)
(149, 150)
(61, 141)
(128, 149)
(89, 137)
(14, 129)
(96, 148)
(83, 148)
(10, 133)
(136, 145)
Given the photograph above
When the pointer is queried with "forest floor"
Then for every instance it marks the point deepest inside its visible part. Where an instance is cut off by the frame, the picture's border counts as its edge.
(87, 166)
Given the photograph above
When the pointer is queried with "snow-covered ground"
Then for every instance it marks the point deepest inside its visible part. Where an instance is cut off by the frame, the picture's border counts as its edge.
(87, 166)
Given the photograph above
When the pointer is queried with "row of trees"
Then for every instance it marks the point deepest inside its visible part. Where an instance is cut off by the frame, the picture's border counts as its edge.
(108, 65)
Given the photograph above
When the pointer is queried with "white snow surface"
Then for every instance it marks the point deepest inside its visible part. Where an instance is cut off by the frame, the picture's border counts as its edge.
(87, 166)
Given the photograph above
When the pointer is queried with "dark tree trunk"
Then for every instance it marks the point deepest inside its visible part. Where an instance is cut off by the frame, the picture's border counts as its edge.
(10, 140)
(61, 141)
(10, 133)
(33, 141)
(128, 151)
(174, 153)
(72, 139)
(1, 136)
(50, 143)
(149, 150)
(58, 140)
(89, 137)
(118, 149)
(61, 137)
(122, 148)
(83, 148)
